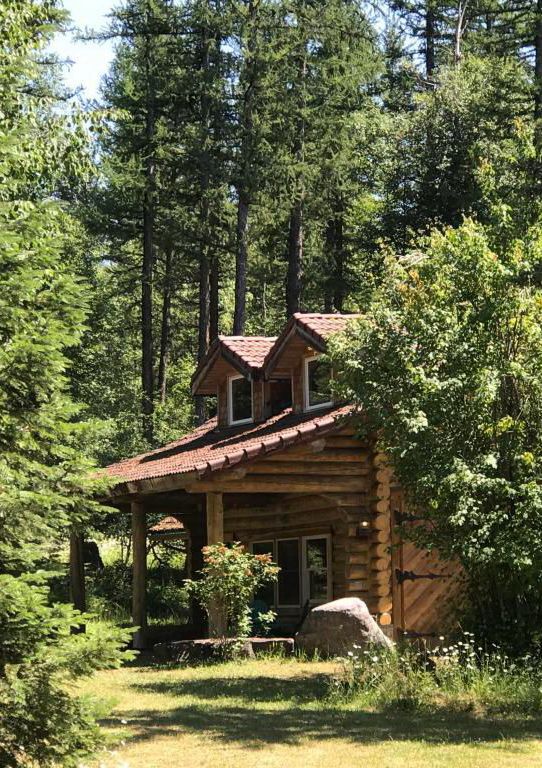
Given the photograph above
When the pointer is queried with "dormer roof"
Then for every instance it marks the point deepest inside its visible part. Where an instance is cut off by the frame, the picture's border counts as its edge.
(231, 354)
(310, 330)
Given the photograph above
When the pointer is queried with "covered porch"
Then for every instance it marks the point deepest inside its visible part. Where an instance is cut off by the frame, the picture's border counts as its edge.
(296, 528)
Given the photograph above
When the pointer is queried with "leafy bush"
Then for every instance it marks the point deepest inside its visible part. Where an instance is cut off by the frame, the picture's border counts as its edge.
(229, 578)
(446, 366)
(459, 676)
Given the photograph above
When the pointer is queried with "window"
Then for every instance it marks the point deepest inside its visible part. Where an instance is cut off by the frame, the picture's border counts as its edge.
(305, 571)
(266, 593)
(239, 400)
(316, 576)
(289, 587)
(317, 383)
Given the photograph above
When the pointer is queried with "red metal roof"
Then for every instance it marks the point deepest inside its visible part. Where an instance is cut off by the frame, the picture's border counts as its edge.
(207, 450)
(322, 326)
(245, 353)
(251, 350)
(169, 524)
(316, 328)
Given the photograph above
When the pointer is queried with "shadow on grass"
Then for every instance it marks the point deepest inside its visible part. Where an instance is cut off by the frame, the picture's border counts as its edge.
(306, 716)
(299, 689)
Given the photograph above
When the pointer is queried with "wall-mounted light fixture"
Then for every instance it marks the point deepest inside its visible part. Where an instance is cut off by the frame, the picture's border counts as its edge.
(364, 529)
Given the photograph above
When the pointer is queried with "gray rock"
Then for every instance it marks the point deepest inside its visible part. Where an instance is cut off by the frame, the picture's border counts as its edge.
(334, 628)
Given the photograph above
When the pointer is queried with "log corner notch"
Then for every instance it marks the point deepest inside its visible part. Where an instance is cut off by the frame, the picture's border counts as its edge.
(139, 574)
(382, 603)
(215, 534)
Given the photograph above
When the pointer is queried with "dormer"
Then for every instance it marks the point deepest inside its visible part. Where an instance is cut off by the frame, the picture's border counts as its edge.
(298, 354)
(232, 370)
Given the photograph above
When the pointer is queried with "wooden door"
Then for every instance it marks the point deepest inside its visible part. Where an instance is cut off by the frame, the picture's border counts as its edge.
(425, 588)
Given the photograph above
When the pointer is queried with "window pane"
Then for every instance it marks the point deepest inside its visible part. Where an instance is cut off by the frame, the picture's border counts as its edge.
(241, 399)
(317, 567)
(288, 580)
(319, 375)
(266, 593)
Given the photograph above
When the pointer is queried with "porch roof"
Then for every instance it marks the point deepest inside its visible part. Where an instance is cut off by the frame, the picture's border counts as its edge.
(208, 449)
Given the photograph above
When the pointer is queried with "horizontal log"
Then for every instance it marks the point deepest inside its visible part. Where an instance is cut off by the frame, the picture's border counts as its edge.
(381, 537)
(271, 484)
(358, 586)
(380, 590)
(381, 564)
(382, 504)
(380, 550)
(344, 441)
(381, 522)
(330, 454)
(297, 467)
(279, 521)
(358, 558)
(356, 572)
(381, 577)
(266, 534)
(351, 500)
(347, 430)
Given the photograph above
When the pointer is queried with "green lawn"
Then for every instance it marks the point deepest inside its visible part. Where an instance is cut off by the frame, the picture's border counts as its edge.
(274, 714)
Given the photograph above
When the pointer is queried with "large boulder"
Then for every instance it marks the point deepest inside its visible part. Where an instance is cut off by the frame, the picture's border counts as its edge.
(334, 628)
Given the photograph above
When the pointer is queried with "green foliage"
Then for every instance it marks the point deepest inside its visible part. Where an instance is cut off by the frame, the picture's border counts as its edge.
(109, 593)
(229, 578)
(46, 482)
(460, 676)
(446, 366)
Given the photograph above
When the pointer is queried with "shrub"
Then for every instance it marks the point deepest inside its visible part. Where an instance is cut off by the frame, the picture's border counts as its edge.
(229, 578)
(42, 722)
(459, 676)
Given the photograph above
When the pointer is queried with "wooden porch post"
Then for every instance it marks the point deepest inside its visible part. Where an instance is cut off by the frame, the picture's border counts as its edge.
(77, 573)
(139, 576)
(215, 534)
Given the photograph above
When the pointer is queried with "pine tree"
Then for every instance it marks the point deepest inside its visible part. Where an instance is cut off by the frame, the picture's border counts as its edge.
(47, 488)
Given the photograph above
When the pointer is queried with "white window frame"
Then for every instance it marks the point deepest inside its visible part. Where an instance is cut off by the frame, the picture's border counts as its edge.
(300, 571)
(305, 571)
(231, 421)
(307, 406)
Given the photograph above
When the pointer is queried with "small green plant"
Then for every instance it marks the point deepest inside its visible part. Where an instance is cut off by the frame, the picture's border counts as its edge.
(459, 676)
(229, 578)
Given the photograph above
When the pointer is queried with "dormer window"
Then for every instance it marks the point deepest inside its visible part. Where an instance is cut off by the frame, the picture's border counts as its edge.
(239, 400)
(317, 383)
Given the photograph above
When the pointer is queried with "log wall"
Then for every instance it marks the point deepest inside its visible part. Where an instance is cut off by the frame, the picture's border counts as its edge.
(328, 488)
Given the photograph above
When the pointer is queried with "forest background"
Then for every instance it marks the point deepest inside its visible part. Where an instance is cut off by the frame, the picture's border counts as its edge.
(251, 159)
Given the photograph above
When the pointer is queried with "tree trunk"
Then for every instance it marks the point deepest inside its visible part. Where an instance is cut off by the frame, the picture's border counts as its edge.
(166, 327)
(538, 76)
(246, 178)
(147, 373)
(335, 288)
(204, 265)
(295, 256)
(214, 309)
(241, 264)
(430, 34)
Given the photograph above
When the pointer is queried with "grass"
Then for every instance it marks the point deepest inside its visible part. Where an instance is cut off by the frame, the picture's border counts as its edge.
(275, 713)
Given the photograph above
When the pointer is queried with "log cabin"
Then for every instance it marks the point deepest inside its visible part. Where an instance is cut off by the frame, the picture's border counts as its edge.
(281, 470)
